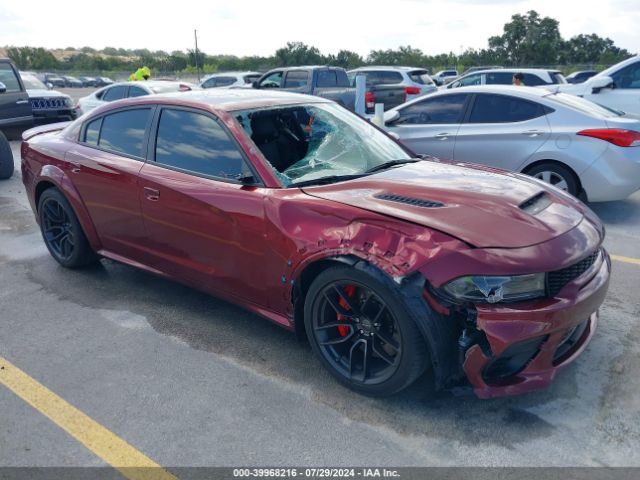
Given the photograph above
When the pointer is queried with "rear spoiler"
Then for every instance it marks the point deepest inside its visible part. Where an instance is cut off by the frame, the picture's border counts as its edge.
(52, 127)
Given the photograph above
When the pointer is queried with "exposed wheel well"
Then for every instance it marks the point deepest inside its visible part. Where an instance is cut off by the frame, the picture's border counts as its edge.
(40, 188)
(528, 168)
(304, 281)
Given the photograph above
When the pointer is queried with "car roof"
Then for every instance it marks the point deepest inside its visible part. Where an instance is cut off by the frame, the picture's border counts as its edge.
(531, 93)
(388, 67)
(234, 73)
(230, 100)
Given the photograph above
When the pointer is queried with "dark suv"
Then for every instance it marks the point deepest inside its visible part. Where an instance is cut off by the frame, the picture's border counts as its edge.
(15, 111)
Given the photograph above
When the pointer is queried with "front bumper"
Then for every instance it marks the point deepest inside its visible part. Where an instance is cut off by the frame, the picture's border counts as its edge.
(555, 331)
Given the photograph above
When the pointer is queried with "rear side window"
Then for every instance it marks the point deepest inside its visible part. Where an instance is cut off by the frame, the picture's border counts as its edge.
(420, 76)
(196, 143)
(444, 109)
(489, 108)
(225, 81)
(9, 78)
(137, 92)
(327, 78)
(114, 93)
(123, 132)
(296, 79)
(531, 80)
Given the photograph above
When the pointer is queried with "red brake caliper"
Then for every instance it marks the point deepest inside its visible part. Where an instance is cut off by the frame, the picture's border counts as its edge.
(350, 290)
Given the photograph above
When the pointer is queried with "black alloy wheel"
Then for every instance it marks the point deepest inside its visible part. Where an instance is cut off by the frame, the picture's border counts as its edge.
(362, 333)
(62, 232)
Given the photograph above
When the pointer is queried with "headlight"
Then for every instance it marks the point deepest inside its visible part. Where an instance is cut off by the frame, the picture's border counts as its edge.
(68, 102)
(480, 289)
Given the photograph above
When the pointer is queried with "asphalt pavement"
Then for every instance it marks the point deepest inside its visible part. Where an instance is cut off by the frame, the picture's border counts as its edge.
(190, 380)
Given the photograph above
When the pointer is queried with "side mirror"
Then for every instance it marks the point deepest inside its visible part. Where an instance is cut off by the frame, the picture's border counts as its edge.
(3, 87)
(254, 84)
(599, 82)
(247, 178)
(391, 117)
(49, 86)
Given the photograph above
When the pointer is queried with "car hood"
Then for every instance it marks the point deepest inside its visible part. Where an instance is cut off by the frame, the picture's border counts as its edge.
(484, 207)
(40, 93)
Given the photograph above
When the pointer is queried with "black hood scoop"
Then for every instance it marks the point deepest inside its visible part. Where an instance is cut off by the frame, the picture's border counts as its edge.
(416, 202)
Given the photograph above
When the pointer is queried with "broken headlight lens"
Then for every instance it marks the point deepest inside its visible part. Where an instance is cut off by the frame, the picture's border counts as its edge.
(481, 289)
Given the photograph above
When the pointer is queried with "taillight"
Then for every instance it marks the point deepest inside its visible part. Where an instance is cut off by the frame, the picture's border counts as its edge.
(370, 99)
(412, 90)
(184, 88)
(617, 136)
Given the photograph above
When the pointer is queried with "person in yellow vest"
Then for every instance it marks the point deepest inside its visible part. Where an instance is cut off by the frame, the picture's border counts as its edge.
(141, 74)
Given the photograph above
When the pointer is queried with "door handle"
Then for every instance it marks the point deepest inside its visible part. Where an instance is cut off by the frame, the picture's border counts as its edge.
(151, 194)
(533, 133)
(75, 167)
(443, 136)
(22, 102)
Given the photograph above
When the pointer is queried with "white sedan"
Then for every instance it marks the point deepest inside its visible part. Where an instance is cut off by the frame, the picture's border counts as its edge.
(574, 144)
(118, 91)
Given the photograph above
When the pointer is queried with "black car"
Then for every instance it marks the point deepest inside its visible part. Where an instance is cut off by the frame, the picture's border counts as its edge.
(15, 111)
(70, 81)
(88, 81)
(54, 79)
(103, 81)
(581, 76)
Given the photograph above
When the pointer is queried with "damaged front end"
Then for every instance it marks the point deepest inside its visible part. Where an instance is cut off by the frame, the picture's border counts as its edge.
(509, 346)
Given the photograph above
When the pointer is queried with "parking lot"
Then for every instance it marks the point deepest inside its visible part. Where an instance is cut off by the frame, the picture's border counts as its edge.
(189, 380)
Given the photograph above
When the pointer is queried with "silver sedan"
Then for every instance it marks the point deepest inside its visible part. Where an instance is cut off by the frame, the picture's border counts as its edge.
(572, 143)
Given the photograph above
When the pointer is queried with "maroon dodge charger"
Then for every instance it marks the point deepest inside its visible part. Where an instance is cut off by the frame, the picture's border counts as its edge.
(305, 214)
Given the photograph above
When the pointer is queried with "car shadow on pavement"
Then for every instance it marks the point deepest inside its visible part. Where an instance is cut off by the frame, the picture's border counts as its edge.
(209, 324)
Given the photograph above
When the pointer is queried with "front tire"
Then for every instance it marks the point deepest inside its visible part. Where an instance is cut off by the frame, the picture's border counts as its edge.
(62, 232)
(6, 158)
(363, 332)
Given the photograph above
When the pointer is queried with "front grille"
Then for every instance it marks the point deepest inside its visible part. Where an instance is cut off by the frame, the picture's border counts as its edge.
(416, 202)
(558, 279)
(47, 103)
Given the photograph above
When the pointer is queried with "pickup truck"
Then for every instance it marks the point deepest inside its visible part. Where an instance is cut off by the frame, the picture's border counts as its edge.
(326, 82)
(15, 111)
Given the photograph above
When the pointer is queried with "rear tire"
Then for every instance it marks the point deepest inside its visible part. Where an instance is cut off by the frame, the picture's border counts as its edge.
(62, 232)
(6, 158)
(363, 332)
(557, 175)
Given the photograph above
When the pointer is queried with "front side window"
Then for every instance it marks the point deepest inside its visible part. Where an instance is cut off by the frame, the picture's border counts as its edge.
(123, 132)
(628, 77)
(272, 81)
(296, 79)
(196, 143)
(470, 80)
(311, 142)
(490, 108)
(499, 78)
(445, 109)
(9, 78)
(114, 93)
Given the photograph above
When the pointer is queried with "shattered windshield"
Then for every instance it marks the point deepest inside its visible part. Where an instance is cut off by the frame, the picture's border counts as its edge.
(311, 142)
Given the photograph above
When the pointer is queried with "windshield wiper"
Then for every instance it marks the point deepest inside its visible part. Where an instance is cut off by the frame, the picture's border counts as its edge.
(325, 180)
(392, 163)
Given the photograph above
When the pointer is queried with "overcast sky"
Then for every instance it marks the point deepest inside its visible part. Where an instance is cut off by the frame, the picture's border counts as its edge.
(259, 27)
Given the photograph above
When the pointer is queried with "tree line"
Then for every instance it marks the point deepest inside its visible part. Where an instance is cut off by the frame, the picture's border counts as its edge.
(527, 40)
